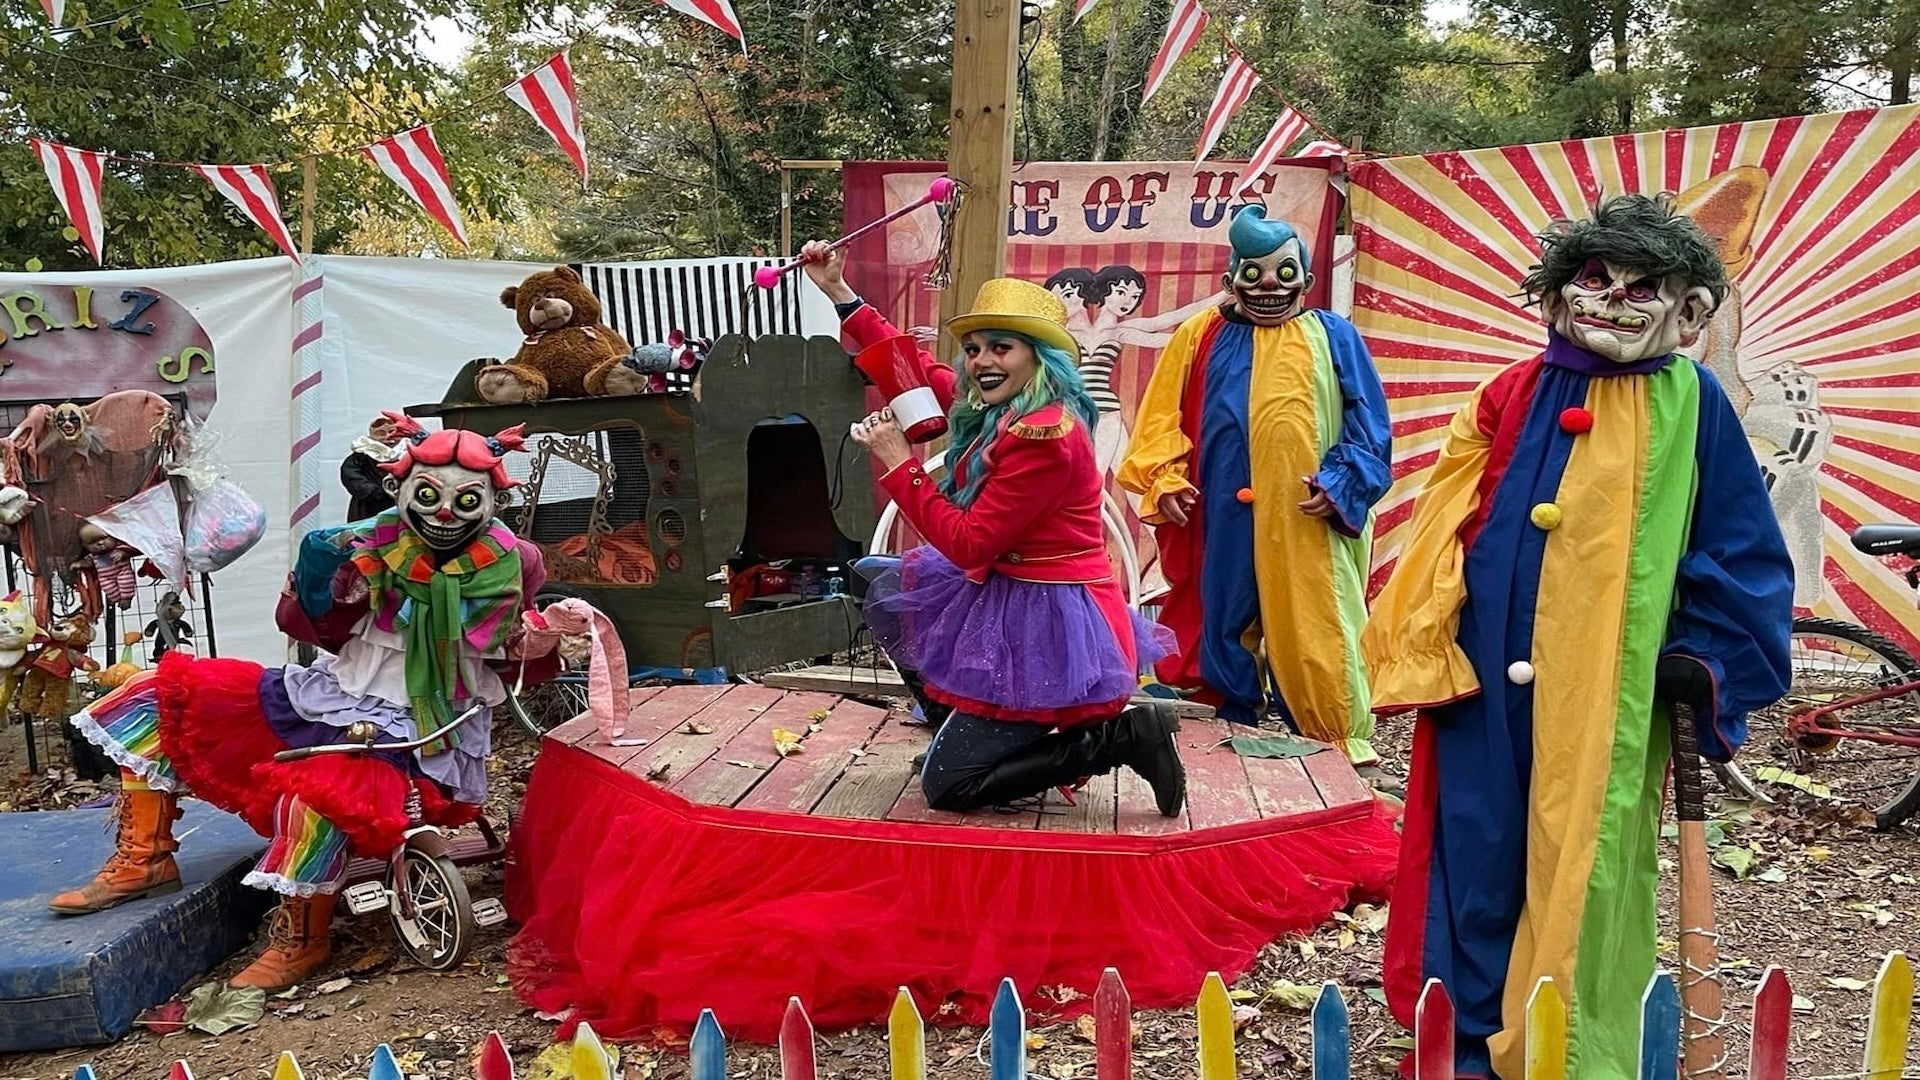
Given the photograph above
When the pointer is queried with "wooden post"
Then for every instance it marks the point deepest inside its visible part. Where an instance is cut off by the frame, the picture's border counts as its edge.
(986, 49)
(786, 208)
(307, 185)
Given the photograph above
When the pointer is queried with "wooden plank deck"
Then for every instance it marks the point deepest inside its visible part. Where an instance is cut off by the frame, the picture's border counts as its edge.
(715, 745)
(883, 682)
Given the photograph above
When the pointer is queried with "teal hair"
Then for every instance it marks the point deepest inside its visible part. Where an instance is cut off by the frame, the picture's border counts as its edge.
(975, 427)
(1253, 235)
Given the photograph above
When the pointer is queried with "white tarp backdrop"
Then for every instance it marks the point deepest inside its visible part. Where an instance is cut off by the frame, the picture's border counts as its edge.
(307, 355)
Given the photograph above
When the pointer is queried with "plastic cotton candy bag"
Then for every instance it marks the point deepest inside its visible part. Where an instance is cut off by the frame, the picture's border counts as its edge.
(222, 521)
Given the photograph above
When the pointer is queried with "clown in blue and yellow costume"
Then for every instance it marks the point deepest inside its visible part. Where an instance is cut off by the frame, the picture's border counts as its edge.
(1261, 445)
(1594, 545)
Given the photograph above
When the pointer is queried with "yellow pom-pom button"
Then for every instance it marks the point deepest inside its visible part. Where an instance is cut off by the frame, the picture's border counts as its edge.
(1245, 495)
(1519, 673)
(1546, 516)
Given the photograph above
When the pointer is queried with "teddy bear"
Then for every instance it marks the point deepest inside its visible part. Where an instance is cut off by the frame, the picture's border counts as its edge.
(61, 652)
(567, 352)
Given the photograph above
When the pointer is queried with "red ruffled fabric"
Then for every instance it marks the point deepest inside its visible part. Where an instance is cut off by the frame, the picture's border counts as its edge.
(638, 909)
(214, 732)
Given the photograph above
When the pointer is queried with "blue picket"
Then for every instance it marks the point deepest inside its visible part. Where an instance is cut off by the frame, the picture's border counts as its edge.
(1007, 1035)
(1332, 1038)
(708, 1048)
(1660, 1028)
(384, 1067)
(84, 1072)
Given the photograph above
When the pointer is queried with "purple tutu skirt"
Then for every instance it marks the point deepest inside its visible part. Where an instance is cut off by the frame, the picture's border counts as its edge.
(1007, 649)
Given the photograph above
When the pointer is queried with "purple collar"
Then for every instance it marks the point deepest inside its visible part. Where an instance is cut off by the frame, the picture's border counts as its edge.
(1563, 353)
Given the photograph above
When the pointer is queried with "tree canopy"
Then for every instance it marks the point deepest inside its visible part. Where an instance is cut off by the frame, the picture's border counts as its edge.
(686, 131)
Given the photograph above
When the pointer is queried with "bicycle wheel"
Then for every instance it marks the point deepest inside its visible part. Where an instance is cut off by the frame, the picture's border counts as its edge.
(442, 927)
(1833, 661)
(542, 708)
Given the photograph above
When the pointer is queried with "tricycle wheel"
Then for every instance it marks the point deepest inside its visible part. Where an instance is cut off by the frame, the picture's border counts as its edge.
(432, 913)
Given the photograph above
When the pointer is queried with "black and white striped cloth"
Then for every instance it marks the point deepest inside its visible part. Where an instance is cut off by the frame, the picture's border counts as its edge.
(701, 298)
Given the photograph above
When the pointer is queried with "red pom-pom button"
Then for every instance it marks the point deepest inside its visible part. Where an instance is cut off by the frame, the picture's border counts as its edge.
(1576, 421)
(1245, 495)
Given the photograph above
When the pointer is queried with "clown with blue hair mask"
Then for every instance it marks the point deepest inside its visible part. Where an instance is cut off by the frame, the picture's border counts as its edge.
(1260, 448)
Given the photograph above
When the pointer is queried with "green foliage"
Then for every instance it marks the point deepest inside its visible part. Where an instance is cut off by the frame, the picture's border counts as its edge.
(686, 134)
(232, 81)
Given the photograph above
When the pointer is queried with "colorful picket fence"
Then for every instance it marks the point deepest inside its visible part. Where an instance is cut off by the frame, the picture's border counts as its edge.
(1889, 1025)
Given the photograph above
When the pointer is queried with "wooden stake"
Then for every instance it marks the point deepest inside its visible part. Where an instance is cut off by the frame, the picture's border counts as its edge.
(986, 48)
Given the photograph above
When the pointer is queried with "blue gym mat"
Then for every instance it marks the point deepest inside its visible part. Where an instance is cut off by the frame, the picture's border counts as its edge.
(81, 980)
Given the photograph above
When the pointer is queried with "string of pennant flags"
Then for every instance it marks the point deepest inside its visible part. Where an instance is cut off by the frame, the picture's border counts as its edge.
(1186, 25)
(411, 159)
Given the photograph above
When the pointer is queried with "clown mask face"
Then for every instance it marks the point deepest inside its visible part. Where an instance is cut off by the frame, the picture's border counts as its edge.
(70, 422)
(447, 505)
(1625, 315)
(1272, 288)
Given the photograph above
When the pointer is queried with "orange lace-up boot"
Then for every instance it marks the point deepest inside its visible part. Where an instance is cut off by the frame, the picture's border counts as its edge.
(299, 940)
(142, 860)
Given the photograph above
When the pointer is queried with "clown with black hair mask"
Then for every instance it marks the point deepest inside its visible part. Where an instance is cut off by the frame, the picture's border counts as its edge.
(1265, 422)
(1593, 547)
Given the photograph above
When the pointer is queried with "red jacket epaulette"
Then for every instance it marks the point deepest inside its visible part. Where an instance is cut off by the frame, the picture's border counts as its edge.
(1046, 422)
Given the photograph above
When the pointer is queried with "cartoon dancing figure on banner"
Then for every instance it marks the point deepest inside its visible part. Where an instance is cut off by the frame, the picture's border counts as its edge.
(1780, 406)
(422, 609)
(1260, 449)
(1593, 546)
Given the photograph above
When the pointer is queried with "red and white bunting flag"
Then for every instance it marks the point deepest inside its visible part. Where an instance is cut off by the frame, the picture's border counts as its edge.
(547, 94)
(56, 10)
(1235, 88)
(75, 176)
(1081, 8)
(1284, 133)
(1184, 28)
(247, 187)
(715, 13)
(1323, 148)
(412, 160)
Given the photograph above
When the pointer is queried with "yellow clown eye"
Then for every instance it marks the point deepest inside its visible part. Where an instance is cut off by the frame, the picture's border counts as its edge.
(1250, 273)
(1288, 273)
(468, 500)
(426, 495)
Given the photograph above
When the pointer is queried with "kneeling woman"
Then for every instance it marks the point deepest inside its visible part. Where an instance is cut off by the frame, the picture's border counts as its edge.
(1010, 614)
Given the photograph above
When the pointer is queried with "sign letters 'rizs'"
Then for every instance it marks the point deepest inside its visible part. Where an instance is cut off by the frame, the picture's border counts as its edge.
(1132, 248)
(74, 342)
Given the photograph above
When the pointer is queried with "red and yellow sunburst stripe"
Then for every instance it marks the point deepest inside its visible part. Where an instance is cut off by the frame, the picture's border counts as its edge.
(1827, 264)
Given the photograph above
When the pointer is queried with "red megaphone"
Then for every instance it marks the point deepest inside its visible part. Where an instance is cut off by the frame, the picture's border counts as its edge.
(894, 367)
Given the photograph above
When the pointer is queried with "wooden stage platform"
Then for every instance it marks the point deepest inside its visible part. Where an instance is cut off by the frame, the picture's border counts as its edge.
(715, 745)
(691, 862)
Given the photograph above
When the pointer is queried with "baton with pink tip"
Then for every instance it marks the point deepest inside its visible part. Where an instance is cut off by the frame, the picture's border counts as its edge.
(939, 191)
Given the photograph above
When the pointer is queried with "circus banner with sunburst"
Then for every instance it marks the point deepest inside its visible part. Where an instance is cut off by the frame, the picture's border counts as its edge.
(1818, 342)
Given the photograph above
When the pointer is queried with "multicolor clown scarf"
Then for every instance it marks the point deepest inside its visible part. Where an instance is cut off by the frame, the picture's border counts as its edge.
(466, 602)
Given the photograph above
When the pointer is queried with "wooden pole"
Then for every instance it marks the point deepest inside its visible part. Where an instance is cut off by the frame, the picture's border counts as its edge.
(786, 210)
(986, 50)
(308, 183)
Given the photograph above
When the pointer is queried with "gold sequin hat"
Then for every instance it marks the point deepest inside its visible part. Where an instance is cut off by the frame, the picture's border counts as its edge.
(1019, 306)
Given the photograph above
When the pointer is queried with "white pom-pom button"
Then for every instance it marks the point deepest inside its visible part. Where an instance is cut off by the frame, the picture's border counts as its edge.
(1519, 673)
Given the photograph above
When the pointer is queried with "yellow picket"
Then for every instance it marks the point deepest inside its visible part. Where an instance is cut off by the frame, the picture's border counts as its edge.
(907, 1038)
(590, 1059)
(1890, 1019)
(1214, 1010)
(285, 1068)
(1546, 1032)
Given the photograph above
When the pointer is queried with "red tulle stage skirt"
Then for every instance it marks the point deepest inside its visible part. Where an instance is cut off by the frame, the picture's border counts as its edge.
(639, 909)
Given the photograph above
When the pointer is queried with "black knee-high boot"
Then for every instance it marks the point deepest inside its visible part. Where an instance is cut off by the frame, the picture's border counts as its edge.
(1140, 738)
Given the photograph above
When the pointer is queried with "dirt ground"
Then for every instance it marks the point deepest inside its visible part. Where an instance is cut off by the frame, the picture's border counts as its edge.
(1825, 897)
